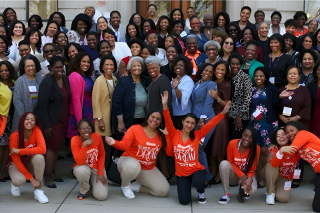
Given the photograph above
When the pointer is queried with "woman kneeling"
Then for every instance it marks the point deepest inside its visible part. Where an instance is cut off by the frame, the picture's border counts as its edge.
(89, 155)
(27, 147)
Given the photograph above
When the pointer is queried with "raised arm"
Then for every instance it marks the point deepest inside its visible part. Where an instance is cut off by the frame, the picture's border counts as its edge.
(166, 114)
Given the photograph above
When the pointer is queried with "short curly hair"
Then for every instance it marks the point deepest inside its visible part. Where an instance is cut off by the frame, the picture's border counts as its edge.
(187, 64)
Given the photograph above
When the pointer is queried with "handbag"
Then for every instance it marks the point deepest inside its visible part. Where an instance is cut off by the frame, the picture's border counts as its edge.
(113, 174)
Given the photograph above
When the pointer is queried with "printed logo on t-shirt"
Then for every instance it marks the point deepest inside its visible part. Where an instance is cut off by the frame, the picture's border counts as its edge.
(287, 168)
(92, 156)
(240, 162)
(186, 154)
(310, 155)
(147, 153)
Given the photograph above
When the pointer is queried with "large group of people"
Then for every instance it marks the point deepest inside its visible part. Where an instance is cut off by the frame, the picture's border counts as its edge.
(181, 101)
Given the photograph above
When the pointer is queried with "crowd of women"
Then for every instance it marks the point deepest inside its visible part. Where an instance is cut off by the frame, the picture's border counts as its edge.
(184, 102)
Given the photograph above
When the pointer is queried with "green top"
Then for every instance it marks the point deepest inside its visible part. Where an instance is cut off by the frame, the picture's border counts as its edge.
(253, 66)
(141, 101)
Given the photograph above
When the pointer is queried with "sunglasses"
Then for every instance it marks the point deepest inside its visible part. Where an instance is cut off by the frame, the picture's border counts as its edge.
(227, 43)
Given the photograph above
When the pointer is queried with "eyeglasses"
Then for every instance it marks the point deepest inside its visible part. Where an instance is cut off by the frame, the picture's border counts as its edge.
(85, 128)
(227, 43)
(62, 37)
(49, 51)
(56, 17)
(275, 18)
(197, 23)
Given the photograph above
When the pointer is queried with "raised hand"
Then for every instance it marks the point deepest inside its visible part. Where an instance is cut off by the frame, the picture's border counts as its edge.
(176, 81)
(110, 141)
(164, 131)
(164, 97)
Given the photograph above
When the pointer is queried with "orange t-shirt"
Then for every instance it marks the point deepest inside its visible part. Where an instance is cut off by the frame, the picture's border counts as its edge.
(308, 146)
(92, 156)
(286, 165)
(136, 144)
(238, 161)
(35, 145)
(297, 33)
(186, 153)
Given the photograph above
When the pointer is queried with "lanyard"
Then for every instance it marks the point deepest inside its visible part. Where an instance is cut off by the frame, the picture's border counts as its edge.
(276, 59)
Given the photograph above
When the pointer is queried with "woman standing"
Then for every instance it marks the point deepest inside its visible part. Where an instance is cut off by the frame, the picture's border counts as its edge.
(27, 147)
(296, 107)
(102, 93)
(79, 72)
(181, 88)
(177, 28)
(291, 41)
(33, 36)
(102, 24)
(243, 157)
(177, 15)
(314, 89)
(35, 21)
(138, 20)
(307, 44)
(26, 88)
(163, 29)
(308, 59)
(202, 104)
(13, 49)
(183, 146)
(152, 40)
(92, 42)
(51, 29)
(17, 31)
(103, 48)
(221, 20)
(132, 32)
(80, 26)
(241, 94)
(212, 48)
(227, 48)
(301, 18)
(134, 164)
(4, 50)
(71, 50)
(52, 110)
(10, 14)
(167, 70)
(233, 30)
(152, 10)
(115, 25)
(275, 26)
(61, 40)
(7, 80)
(263, 31)
(60, 19)
(89, 154)
(195, 29)
(277, 61)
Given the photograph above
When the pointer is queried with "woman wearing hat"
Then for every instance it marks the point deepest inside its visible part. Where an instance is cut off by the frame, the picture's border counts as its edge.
(212, 48)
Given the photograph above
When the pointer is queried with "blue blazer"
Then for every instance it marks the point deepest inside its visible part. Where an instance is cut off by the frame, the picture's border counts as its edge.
(123, 99)
(201, 42)
(202, 100)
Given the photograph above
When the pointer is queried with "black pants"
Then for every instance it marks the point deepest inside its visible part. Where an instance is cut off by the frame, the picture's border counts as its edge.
(236, 134)
(184, 185)
(316, 199)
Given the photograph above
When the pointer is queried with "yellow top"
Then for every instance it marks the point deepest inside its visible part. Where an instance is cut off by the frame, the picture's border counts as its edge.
(5, 99)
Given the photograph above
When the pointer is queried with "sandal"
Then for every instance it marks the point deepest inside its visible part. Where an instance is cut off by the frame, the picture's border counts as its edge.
(81, 196)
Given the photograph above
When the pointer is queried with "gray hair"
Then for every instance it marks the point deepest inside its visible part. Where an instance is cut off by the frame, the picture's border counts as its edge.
(264, 22)
(192, 36)
(151, 59)
(138, 59)
(211, 42)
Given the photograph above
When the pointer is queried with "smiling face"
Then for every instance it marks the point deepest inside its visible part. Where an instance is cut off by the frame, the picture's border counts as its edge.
(85, 64)
(4, 72)
(3, 31)
(307, 42)
(110, 39)
(105, 49)
(217, 39)
(233, 32)
(132, 31)
(290, 29)
(195, 25)
(72, 51)
(263, 30)
(81, 27)
(221, 21)
(3, 46)
(153, 70)
(275, 20)
(207, 20)
(102, 24)
(52, 29)
(275, 45)
(192, 45)
(108, 67)
(179, 68)
(137, 19)
(24, 50)
(34, 23)
(212, 52)
(34, 38)
(146, 26)
(11, 15)
(220, 72)
(188, 124)
(207, 73)
(152, 11)
(135, 49)
(251, 52)
(177, 29)
(259, 17)
(289, 43)
(282, 139)
(176, 15)
(168, 41)
(190, 12)
(293, 76)
(29, 67)
(90, 12)
(18, 29)
(171, 54)
(115, 19)
(152, 40)
(61, 39)
(307, 61)
(245, 15)
(301, 21)
(247, 35)
(29, 122)
(49, 51)
(1, 20)
(291, 132)
(136, 68)
(57, 69)
(235, 66)
(154, 120)
(312, 26)
(145, 53)
(92, 41)
(164, 24)
(246, 139)
(228, 45)
(85, 130)
(259, 78)
(57, 18)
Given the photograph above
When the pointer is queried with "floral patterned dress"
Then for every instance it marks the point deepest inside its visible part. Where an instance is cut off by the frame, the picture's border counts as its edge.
(86, 108)
(258, 116)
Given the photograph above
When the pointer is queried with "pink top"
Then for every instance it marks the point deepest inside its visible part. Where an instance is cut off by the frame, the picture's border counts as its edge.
(77, 85)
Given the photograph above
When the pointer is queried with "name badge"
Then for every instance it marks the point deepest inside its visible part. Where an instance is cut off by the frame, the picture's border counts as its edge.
(296, 174)
(287, 111)
(194, 71)
(183, 34)
(287, 185)
(33, 89)
(271, 79)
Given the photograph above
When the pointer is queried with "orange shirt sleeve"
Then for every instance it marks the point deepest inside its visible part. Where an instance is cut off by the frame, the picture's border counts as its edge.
(169, 148)
(232, 147)
(301, 138)
(101, 157)
(36, 136)
(275, 162)
(168, 121)
(126, 141)
(253, 168)
(14, 143)
(79, 152)
(206, 128)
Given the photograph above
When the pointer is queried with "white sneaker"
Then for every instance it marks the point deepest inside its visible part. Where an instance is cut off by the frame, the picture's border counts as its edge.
(40, 196)
(128, 193)
(224, 200)
(15, 191)
(270, 198)
(135, 187)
